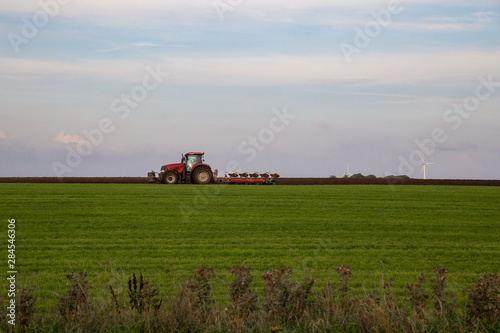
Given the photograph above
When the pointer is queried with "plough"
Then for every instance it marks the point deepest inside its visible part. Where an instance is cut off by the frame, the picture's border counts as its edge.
(263, 178)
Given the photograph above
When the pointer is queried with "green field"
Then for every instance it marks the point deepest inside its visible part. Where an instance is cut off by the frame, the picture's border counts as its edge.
(169, 231)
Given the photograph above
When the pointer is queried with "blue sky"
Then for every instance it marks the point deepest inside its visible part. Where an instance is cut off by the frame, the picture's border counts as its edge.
(230, 74)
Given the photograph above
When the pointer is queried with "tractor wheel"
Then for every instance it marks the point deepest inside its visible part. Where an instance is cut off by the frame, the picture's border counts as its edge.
(202, 175)
(170, 177)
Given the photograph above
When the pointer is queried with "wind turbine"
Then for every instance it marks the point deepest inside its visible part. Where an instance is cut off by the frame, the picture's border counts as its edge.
(347, 173)
(424, 163)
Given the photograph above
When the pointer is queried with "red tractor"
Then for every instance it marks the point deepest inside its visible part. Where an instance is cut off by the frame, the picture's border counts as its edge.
(191, 169)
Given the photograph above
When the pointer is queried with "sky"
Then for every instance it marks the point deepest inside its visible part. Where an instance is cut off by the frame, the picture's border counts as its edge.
(301, 88)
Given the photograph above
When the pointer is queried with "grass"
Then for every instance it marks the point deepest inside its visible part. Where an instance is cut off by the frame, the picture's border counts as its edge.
(167, 232)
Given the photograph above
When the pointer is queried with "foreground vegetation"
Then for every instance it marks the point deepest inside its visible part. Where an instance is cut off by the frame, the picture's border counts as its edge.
(286, 305)
(112, 231)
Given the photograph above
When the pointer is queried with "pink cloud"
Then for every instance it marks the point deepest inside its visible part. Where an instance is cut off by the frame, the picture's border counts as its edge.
(67, 138)
(323, 124)
(3, 135)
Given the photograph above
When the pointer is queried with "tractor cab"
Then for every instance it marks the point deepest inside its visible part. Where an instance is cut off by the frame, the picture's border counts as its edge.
(192, 159)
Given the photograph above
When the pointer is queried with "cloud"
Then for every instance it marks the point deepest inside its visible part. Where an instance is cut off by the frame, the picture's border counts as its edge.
(475, 21)
(486, 17)
(128, 46)
(145, 44)
(132, 9)
(322, 124)
(122, 70)
(270, 70)
(67, 138)
(383, 68)
(445, 27)
(3, 135)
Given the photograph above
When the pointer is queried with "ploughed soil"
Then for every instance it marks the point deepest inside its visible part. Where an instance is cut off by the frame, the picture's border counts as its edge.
(281, 181)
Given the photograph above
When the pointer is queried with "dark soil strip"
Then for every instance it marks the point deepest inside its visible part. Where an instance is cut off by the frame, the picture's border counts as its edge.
(281, 181)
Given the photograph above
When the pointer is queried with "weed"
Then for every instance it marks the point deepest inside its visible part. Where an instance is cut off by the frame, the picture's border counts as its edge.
(143, 297)
(75, 303)
(285, 300)
(199, 285)
(444, 302)
(114, 299)
(343, 288)
(243, 301)
(418, 296)
(484, 299)
(26, 306)
(277, 287)
(181, 310)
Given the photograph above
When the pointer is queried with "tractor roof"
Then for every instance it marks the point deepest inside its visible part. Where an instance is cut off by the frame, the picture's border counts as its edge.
(195, 153)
